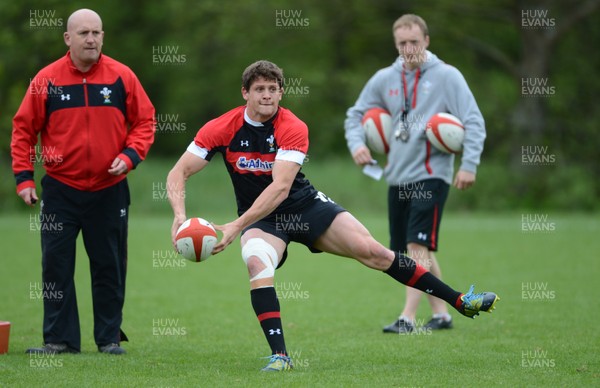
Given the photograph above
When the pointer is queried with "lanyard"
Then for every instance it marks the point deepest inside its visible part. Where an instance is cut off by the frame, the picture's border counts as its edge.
(404, 133)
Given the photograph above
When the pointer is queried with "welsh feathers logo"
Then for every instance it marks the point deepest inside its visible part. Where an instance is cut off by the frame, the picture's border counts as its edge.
(106, 94)
(427, 85)
(271, 142)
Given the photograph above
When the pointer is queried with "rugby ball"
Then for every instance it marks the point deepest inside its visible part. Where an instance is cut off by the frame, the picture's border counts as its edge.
(195, 239)
(377, 124)
(446, 132)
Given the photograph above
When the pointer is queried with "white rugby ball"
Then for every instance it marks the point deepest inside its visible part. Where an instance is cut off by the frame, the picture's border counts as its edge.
(446, 132)
(195, 239)
(377, 124)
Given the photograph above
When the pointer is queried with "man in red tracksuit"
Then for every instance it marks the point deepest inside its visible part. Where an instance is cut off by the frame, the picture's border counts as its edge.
(96, 124)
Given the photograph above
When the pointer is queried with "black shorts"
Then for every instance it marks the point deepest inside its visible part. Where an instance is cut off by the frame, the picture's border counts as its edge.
(415, 213)
(303, 225)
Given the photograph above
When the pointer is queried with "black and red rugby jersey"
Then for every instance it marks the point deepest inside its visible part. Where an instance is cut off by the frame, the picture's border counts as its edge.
(249, 152)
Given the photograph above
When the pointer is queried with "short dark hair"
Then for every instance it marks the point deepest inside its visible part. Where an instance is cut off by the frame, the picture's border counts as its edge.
(262, 69)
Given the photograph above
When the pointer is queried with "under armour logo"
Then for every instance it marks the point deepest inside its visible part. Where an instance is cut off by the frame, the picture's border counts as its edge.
(244, 143)
(123, 212)
(65, 97)
(394, 92)
(429, 291)
(422, 236)
(276, 331)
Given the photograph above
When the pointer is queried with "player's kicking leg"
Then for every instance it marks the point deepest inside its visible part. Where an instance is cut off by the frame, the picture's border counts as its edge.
(347, 237)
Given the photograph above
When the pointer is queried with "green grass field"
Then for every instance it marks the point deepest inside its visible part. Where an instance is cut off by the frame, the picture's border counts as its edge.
(193, 325)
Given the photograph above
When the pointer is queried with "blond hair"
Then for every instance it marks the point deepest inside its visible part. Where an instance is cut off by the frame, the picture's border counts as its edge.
(409, 20)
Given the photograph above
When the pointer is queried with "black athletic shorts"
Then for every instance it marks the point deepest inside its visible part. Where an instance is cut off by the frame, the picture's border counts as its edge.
(415, 212)
(303, 225)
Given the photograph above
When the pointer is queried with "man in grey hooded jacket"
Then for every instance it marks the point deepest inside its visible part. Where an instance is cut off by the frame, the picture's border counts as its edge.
(414, 88)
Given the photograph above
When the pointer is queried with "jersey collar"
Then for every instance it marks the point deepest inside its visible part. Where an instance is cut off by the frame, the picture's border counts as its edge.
(250, 121)
(76, 70)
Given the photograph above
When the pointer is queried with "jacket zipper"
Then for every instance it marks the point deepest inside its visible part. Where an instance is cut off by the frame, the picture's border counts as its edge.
(87, 129)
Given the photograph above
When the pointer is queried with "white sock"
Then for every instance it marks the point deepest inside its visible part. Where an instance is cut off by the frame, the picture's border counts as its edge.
(444, 316)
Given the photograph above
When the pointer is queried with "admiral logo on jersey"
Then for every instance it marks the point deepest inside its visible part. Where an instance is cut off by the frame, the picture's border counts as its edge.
(253, 164)
(250, 153)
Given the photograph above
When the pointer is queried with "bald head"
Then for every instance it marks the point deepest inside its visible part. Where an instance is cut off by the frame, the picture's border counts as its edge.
(84, 37)
(82, 16)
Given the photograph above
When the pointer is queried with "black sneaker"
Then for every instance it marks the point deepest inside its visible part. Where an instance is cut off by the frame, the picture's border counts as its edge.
(51, 349)
(401, 326)
(438, 324)
(111, 349)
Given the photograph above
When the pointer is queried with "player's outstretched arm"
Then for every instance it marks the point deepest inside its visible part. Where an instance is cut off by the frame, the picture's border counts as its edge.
(284, 173)
(186, 166)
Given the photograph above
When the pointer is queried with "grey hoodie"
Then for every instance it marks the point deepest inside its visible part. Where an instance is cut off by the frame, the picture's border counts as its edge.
(440, 88)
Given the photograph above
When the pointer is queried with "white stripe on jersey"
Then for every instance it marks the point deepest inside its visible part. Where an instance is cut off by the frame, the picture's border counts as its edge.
(291, 156)
(196, 150)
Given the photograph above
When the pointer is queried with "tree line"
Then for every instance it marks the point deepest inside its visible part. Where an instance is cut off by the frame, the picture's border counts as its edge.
(529, 64)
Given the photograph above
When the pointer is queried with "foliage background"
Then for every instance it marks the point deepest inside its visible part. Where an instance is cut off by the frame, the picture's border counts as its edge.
(337, 47)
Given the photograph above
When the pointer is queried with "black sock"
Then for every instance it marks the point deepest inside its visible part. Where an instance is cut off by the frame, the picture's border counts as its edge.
(266, 306)
(407, 271)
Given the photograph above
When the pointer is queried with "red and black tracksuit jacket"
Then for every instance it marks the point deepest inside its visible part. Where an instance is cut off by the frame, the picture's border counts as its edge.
(85, 120)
